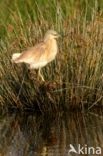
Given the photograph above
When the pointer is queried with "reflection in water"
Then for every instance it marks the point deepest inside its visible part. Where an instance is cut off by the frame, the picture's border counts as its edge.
(32, 135)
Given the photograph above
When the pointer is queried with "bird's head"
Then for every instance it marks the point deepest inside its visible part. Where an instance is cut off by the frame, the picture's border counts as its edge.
(51, 34)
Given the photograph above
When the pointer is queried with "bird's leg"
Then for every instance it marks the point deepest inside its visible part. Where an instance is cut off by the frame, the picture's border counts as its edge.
(39, 74)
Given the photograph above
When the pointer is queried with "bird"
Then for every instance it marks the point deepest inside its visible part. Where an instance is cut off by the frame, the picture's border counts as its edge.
(40, 54)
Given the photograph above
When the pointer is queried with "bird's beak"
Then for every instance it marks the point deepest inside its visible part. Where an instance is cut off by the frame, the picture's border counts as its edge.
(58, 35)
(65, 35)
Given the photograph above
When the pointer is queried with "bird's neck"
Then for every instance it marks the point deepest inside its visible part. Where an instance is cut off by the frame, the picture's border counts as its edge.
(51, 47)
(51, 44)
(50, 41)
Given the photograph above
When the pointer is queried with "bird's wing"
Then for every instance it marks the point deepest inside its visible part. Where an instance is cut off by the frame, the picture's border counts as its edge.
(33, 53)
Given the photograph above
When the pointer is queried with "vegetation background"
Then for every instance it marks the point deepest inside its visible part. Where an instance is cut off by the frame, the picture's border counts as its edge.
(75, 78)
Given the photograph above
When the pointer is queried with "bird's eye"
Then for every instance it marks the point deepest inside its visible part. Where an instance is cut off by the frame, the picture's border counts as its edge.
(55, 34)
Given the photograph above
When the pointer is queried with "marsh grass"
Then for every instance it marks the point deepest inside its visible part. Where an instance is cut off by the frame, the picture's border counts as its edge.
(75, 78)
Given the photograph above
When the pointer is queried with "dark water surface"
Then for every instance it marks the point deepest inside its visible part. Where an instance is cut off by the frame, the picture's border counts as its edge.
(43, 135)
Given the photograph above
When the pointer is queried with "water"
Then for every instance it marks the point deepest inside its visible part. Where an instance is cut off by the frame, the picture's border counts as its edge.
(38, 135)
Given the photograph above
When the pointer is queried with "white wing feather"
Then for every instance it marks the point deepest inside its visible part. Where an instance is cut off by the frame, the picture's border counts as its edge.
(15, 56)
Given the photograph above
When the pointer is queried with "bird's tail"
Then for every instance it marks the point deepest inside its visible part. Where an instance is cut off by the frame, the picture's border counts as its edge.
(15, 57)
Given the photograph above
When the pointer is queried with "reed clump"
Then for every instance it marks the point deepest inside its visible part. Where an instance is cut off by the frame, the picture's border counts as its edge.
(75, 78)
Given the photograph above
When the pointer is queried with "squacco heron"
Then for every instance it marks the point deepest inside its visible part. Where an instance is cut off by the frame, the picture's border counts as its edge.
(41, 54)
